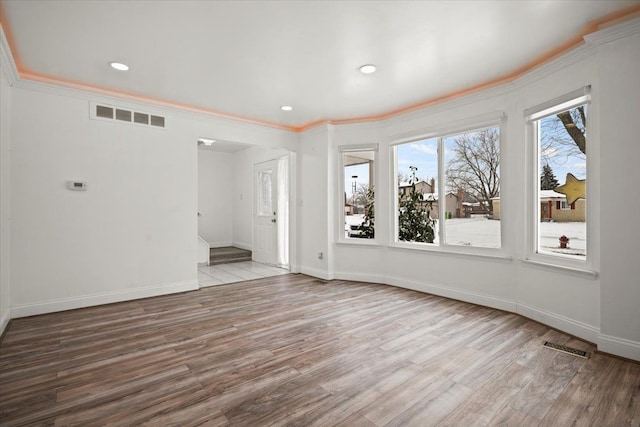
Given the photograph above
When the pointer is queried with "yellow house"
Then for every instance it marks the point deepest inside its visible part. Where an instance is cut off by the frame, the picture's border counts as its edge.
(553, 207)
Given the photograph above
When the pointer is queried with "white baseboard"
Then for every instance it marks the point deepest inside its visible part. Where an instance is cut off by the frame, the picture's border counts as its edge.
(619, 346)
(4, 320)
(320, 274)
(220, 244)
(458, 294)
(99, 299)
(563, 323)
(359, 277)
(241, 245)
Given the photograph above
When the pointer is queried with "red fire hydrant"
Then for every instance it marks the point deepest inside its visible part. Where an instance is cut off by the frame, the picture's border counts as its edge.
(563, 241)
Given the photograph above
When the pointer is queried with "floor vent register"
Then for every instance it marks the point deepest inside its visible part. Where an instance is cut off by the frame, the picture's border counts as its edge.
(565, 349)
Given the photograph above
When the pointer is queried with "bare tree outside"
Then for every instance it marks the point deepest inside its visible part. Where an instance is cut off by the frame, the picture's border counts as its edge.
(361, 198)
(473, 165)
(403, 177)
(563, 136)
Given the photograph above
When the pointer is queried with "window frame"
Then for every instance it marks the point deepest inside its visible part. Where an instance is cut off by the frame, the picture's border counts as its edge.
(489, 120)
(341, 182)
(587, 266)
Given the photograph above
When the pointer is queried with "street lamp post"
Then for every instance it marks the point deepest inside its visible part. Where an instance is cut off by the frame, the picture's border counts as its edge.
(353, 192)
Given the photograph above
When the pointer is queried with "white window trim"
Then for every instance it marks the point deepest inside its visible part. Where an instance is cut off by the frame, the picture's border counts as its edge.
(490, 120)
(565, 102)
(341, 239)
(587, 267)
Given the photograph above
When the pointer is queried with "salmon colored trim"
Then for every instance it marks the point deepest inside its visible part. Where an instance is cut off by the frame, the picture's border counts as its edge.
(593, 26)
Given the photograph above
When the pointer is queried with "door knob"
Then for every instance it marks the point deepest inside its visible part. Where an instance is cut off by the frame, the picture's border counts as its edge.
(273, 220)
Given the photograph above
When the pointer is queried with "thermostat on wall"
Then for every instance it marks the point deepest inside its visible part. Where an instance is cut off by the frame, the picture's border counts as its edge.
(77, 185)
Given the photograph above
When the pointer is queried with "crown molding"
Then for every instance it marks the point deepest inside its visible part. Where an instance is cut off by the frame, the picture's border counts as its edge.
(616, 32)
(7, 64)
(563, 61)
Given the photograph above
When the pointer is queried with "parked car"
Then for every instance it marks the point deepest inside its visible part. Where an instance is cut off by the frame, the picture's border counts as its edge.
(352, 224)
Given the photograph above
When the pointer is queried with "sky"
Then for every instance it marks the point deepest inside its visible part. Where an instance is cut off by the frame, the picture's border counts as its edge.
(561, 165)
(361, 171)
(423, 154)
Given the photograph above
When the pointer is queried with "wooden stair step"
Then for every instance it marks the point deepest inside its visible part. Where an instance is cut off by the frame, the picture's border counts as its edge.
(228, 254)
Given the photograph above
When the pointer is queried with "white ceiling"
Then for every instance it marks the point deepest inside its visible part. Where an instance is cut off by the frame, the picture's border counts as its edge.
(246, 58)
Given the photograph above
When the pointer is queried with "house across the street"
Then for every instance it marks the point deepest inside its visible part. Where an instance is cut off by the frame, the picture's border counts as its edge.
(553, 207)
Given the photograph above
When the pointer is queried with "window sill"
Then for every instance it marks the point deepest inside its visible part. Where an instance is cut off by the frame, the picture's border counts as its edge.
(486, 253)
(549, 266)
(359, 242)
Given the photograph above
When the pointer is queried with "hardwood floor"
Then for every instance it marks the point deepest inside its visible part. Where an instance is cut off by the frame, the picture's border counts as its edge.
(292, 350)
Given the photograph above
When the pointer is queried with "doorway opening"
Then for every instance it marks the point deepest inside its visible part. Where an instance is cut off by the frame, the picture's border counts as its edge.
(227, 208)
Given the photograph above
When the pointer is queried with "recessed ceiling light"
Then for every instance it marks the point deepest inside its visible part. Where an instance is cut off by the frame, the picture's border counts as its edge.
(368, 69)
(119, 66)
(206, 141)
(286, 108)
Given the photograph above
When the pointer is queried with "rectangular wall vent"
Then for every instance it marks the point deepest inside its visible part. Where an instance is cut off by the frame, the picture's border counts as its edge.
(122, 115)
(157, 121)
(141, 118)
(104, 112)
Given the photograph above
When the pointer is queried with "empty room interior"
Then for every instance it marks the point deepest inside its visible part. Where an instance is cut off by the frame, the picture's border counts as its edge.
(318, 213)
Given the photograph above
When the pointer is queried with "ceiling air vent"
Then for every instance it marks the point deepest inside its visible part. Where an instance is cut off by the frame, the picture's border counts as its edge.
(122, 115)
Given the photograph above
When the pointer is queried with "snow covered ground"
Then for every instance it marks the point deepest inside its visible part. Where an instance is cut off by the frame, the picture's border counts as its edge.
(550, 232)
(479, 231)
(474, 231)
(483, 232)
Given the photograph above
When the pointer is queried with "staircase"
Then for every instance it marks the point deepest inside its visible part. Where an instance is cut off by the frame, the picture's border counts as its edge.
(228, 254)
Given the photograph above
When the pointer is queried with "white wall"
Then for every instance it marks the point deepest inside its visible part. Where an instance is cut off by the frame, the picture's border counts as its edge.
(215, 197)
(314, 209)
(5, 188)
(133, 233)
(620, 180)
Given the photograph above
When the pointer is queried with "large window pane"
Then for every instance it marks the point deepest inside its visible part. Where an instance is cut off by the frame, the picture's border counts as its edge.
(562, 160)
(359, 212)
(472, 198)
(417, 192)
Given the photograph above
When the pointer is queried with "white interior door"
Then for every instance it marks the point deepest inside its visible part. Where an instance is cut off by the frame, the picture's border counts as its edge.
(265, 230)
